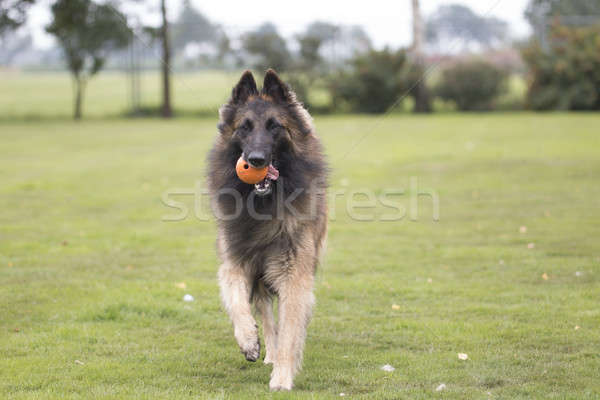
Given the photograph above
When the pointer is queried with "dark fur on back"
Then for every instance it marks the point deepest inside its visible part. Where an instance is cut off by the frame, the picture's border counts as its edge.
(297, 154)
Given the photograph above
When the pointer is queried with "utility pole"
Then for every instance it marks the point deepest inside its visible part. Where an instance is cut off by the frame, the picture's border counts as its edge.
(166, 110)
(421, 96)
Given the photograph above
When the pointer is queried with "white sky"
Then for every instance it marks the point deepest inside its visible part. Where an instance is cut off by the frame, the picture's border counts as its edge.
(386, 22)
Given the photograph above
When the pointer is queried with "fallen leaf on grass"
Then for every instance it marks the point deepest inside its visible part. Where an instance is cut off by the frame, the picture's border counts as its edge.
(463, 356)
(523, 229)
(387, 368)
(429, 280)
(129, 267)
(441, 387)
(531, 245)
(10, 264)
(545, 276)
(576, 327)
(395, 307)
(578, 273)
(79, 362)
(181, 285)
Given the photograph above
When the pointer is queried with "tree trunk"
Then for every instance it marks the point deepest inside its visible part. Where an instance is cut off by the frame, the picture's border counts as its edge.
(166, 110)
(420, 92)
(79, 91)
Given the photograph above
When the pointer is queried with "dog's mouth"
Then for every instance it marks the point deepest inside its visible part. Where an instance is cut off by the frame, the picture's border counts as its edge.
(264, 187)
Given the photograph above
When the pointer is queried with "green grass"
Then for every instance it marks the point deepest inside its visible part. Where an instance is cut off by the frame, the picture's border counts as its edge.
(35, 95)
(88, 269)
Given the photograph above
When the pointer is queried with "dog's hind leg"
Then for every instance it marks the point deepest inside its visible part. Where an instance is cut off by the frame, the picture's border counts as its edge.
(235, 292)
(295, 306)
(264, 306)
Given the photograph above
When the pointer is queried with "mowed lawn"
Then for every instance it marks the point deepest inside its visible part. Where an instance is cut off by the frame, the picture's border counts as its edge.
(92, 277)
(49, 95)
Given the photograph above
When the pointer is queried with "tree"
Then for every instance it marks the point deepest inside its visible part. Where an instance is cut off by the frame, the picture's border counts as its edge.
(192, 26)
(455, 21)
(473, 84)
(538, 8)
(564, 76)
(86, 32)
(12, 45)
(311, 43)
(165, 109)
(372, 82)
(420, 92)
(267, 48)
(12, 14)
(538, 11)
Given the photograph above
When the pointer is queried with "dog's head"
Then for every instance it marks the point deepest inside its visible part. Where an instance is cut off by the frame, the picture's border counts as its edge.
(266, 128)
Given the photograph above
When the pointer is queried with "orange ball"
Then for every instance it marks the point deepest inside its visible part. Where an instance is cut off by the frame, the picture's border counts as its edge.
(249, 174)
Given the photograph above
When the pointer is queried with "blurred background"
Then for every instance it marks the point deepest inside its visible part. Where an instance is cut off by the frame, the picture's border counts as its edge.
(180, 57)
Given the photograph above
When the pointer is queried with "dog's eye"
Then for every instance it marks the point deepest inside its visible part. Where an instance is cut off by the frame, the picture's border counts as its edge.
(246, 126)
(272, 124)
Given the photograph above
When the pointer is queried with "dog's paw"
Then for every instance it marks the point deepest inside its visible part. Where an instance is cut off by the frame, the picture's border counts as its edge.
(251, 352)
(248, 341)
(278, 388)
(280, 381)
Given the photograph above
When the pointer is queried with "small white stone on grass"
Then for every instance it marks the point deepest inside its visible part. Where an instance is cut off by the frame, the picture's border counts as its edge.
(188, 298)
(79, 362)
(441, 387)
(578, 273)
(387, 368)
(463, 356)
(342, 394)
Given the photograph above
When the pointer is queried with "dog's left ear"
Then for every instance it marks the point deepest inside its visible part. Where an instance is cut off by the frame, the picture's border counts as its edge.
(274, 87)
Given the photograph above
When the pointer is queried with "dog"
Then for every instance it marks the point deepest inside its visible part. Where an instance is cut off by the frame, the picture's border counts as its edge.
(271, 234)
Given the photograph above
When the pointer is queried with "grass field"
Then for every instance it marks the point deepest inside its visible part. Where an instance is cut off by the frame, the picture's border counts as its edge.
(35, 95)
(91, 276)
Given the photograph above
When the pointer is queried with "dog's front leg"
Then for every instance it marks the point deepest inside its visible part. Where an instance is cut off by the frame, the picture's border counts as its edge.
(264, 305)
(295, 306)
(235, 292)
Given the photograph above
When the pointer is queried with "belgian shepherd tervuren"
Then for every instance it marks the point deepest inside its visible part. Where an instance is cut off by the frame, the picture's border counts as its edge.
(271, 234)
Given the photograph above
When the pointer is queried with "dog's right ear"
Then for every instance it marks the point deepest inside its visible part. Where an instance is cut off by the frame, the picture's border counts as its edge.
(245, 88)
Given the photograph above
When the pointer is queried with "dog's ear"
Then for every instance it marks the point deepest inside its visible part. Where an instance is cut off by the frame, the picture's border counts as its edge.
(274, 87)
(245, 88)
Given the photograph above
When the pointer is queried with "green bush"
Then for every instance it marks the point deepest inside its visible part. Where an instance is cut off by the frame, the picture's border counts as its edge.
(371, 83)
(566, 74)
(472, 85)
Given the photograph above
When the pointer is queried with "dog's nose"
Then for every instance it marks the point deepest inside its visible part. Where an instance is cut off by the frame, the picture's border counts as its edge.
(257, 159)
